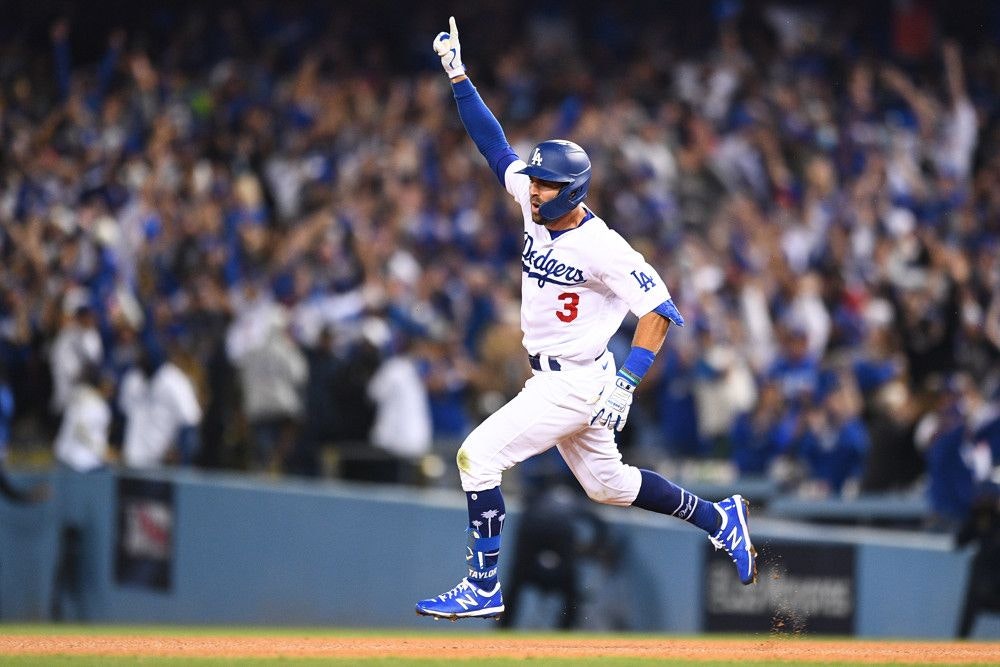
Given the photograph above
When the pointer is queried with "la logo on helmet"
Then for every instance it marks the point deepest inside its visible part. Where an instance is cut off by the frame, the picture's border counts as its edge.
(536, 158)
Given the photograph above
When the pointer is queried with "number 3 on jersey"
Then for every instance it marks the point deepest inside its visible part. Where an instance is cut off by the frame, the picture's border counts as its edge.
(569, 310)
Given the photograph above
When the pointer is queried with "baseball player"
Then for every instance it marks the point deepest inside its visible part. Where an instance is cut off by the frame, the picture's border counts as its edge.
(579, 279)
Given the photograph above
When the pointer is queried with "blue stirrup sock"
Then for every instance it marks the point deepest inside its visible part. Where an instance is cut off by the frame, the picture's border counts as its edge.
(658, 494)
(486, 517)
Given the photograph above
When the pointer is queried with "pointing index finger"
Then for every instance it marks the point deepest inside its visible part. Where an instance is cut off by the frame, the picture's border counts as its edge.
(453, 27)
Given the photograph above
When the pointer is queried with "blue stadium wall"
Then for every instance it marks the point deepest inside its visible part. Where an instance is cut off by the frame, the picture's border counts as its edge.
(228, 549)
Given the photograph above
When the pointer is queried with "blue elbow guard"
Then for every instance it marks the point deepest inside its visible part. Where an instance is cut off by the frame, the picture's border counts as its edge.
(668, 310)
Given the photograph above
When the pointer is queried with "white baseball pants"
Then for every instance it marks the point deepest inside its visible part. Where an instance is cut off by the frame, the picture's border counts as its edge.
(552, 409)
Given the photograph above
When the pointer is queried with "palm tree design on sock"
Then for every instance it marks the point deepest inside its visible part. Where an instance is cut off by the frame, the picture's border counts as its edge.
(472, 552)
(489, 515)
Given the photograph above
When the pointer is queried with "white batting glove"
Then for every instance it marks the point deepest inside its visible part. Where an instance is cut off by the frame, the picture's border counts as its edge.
(446, 45)
(612, 404)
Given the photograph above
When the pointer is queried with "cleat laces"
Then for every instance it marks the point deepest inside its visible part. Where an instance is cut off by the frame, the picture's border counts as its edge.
(462, 585)
(719, 544)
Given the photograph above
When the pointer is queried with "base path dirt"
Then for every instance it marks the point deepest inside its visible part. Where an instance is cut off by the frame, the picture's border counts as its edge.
(512, 646)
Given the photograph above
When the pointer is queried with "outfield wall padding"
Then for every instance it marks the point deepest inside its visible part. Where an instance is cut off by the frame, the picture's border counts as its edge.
(264, 551)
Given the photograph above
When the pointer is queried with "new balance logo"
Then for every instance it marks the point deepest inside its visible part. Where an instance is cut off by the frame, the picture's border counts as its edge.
(734, 538)
(467, 601)
(536, 158)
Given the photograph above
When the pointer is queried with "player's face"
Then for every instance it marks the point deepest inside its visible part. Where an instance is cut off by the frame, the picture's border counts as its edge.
(541, 192)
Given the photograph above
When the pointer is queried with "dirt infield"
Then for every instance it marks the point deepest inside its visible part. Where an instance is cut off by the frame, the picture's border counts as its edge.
(498, 646)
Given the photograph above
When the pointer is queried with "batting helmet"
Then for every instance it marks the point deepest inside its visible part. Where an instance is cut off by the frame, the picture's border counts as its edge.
(560, 161)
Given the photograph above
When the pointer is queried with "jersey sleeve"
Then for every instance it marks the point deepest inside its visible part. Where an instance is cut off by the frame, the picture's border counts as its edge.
(626, 273)
(517, 184)
(185, 403)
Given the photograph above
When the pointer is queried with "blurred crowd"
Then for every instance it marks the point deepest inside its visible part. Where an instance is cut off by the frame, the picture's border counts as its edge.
(243, 237)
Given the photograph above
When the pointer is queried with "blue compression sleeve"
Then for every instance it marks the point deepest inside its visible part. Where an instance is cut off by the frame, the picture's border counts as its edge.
(483, 128)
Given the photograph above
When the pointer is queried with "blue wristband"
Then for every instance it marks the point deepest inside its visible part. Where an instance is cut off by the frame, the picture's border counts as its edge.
(636, 364)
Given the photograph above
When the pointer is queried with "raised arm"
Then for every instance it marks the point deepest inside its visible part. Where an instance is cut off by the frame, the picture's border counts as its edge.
(918, 101)
(479, 121)
(954, 73)
(61, 57)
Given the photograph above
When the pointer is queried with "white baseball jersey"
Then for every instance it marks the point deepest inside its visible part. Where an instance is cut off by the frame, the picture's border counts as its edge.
(82, 442)
(155, 410)
(575, 291)
(577, 288)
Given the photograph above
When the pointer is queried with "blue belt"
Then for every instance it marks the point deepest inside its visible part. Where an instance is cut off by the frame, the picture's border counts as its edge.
(541, 362)
(536, 363)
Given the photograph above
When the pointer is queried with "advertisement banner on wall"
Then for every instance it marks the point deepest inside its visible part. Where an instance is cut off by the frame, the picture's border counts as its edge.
(800, 588)
(145, 544)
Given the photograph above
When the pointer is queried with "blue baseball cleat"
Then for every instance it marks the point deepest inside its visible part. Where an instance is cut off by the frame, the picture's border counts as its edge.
(464, 601)
(734, 537)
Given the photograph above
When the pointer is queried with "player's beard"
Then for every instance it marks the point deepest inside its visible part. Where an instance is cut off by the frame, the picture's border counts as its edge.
(536, 216)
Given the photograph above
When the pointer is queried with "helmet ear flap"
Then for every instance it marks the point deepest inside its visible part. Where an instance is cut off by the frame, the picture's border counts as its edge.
(560, 161)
